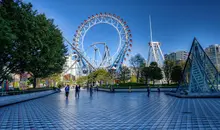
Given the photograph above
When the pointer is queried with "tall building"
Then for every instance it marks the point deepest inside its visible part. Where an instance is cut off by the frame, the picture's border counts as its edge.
(70, 67)
(177, 56)
(213, 53)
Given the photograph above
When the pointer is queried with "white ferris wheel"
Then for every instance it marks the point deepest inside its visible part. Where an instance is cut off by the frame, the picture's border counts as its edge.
(85, 62)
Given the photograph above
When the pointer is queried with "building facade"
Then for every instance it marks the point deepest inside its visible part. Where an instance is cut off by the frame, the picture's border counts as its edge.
(69, 68)
(213, 53)
(177, 56)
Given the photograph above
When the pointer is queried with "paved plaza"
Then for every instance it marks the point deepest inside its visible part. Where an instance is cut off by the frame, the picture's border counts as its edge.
(112, 111)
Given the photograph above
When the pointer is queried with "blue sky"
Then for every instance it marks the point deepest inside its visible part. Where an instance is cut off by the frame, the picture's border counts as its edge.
(174, 22)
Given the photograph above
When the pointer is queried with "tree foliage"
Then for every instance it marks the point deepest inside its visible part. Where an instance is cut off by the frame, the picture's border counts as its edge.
(155, 72)
(100, 75)
(181, 64)
(145, 73)
(167, 67)
(82, 80)
(50, 56)
(137, 62)
(125, 74)
(8, 38)
(55, 77)
(133, 79)
(176, 73)
(29, 42)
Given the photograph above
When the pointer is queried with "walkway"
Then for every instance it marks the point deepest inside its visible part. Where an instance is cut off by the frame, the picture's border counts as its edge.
(112, 111)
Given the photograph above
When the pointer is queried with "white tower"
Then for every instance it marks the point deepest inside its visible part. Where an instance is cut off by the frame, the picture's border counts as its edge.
(155, 53)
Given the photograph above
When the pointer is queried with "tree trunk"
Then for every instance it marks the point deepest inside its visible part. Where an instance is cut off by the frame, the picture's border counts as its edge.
(168, 82)
(146, 82)
(35, 82)
(137, 76)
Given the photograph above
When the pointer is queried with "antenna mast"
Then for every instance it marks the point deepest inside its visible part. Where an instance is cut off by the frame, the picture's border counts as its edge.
(151, 37)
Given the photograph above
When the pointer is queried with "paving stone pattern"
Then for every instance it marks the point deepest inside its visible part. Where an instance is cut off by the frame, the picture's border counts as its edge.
(112, 111)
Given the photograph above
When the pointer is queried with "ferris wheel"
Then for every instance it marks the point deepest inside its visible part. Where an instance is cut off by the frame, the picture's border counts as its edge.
(108, 61)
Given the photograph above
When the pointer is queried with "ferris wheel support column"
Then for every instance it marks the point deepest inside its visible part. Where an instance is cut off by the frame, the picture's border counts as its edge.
(79, 53)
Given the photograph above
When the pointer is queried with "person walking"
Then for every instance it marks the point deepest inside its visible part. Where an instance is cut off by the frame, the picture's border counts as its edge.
(97, 88)
(67, 89)
(158, 89)
(148, 90)
(91, 90)
(77, 91)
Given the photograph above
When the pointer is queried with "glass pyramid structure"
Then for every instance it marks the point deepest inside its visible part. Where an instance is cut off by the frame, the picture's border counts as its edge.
(199, 74)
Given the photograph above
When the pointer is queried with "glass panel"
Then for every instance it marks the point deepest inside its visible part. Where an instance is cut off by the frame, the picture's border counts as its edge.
(199, 74)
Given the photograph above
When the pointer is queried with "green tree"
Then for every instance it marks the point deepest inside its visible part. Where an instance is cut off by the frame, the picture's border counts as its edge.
(9, 58)
(50, 56)
(20, 16)
(145, 73)
(56, 77)
(125, 74)
(32, 42)
(82, 80)
(155, 72)
(137, 63)
(167, 67)
(100, 75)
(92, 77)
(181, 64)
(133, 79)
(176, 73)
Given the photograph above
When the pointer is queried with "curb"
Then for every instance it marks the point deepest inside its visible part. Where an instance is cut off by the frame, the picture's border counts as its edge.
(9, 100)
(193, 96)
(118, 90)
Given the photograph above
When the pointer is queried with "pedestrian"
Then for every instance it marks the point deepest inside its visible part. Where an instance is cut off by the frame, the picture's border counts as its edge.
(158, 89)
(91, 91)
(148, 91)
(67, 89)
(97, 88)
(77, 91)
